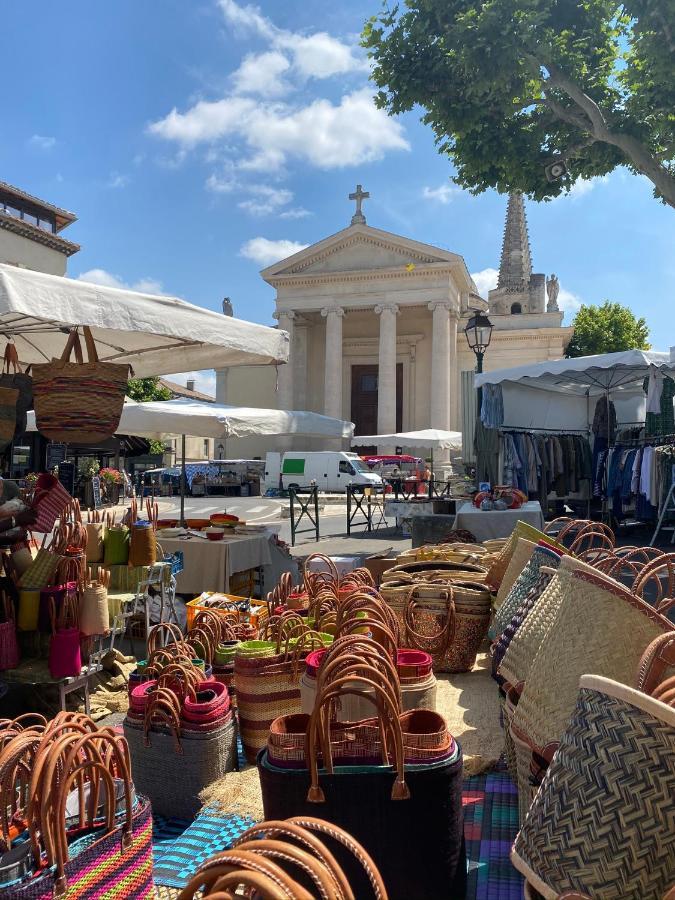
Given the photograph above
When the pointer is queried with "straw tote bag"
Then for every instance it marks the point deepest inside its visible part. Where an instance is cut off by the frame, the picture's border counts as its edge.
(8, 400)
(79, 402)
(603, 822)
(498, 568)
(20, 382)
(50, 499)
(521, 555)
(541, 556)
(9, 648)
(600, 625)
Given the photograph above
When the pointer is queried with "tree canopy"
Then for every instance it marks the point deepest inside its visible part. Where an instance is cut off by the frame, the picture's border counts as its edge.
(607, 329)
(143, 390)
(511, 86)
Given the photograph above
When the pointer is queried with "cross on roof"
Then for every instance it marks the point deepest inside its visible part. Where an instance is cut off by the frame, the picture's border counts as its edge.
(359, 195)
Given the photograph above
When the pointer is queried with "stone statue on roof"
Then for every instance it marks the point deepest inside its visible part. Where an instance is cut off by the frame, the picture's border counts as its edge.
(552, 289)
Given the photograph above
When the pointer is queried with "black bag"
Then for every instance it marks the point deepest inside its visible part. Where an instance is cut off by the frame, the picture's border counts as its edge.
(19, 381)
(417, 844)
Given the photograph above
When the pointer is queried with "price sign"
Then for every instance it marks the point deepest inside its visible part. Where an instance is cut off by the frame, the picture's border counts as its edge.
(56, 453)
(96, 487)
(67, 476)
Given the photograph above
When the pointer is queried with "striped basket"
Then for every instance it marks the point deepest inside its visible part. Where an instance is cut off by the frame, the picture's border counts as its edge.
(498, 569)
(603, 821)
(527, 578)
(521, 556)
(601, 625)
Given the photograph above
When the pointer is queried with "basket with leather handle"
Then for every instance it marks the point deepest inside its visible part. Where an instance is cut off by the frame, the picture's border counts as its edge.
(286, 860)
(430, 621)
(65, 658)
(377, 803)
(602, 824)
(13, 378)
(539, 554)
(173, 761)
(81, 401)
(9, 648)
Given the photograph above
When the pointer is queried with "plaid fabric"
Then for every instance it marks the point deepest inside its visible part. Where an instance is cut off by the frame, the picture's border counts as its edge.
(207, 835)
(490, 826)
(50, 499)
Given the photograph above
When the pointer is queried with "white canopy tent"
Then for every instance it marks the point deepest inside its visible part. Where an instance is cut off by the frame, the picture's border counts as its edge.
(559, 393)
(189, 417)
(431, 438)
(155, 335)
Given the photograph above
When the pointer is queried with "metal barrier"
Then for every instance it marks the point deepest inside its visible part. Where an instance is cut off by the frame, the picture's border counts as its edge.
(432, 490)
(365, 507)
(304, 507)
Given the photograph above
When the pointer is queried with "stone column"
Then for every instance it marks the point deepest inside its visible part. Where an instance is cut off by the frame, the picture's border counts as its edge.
(333, 368)
(299, 354)
(386, 372)
(453, 419)
(440, 364)
(285, 318)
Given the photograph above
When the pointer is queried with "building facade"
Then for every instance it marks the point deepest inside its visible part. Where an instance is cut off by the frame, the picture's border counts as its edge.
(30, 232)
(376, 322)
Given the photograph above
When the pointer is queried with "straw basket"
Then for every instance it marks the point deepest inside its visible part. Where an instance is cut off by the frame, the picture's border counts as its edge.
(541, 556)
(603, 822)
(515, 666)
(498, 569)
(599, 625)
(521, 556)
(434, 570)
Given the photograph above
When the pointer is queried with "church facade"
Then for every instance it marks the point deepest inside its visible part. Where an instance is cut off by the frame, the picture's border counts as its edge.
(377, 321)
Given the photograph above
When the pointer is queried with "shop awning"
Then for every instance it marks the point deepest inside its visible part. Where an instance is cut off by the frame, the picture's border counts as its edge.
(155, 335)
(432, 438)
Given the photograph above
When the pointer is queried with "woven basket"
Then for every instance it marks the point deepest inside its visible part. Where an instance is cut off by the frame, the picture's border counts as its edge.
(498, 569)
(521, 555)
(433, 570)
(515, 667)
(116, 543)
(603, 822)
(416, 693)
(95, 541)
(94, 611)
(541, 556)
(599, 625)
(142, 545)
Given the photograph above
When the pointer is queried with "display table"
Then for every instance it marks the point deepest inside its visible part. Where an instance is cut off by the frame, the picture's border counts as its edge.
(498, 523)
(208, 565)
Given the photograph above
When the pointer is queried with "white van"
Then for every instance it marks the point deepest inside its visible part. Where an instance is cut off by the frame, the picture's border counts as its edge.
(332, 470)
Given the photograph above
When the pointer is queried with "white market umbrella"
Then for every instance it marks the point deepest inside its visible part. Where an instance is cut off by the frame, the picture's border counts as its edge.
(155, 335)
(433, 438)
(190, 417)
(584, 375)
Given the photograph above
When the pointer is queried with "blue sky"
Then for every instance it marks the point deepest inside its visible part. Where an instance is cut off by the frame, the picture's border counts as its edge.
(199, 141)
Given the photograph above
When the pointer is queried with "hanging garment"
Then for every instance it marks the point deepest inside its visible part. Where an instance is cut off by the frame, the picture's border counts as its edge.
(662, 420)
(492, 406)
(654, 384)
(486, 445)
(604, 419)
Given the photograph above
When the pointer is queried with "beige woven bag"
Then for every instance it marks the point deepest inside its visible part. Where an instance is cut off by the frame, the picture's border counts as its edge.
(600, 626)
(521, 555)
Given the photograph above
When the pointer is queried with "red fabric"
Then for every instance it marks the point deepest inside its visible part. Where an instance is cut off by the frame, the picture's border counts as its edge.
(65, 660)
(49, 500)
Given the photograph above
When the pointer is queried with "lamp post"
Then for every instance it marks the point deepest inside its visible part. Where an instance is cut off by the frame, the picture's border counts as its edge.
(478, 333)
(221, 451)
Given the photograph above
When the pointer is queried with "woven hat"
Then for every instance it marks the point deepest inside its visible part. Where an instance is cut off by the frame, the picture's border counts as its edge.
(603, 821)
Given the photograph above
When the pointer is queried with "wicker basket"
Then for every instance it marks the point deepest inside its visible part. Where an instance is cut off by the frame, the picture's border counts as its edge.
(522, 530)
(541, 556)
(599, 625)
(603, 821)
(434, 570)
(521, 555)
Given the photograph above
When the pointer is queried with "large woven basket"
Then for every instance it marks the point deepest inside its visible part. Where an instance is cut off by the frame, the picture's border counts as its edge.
(515, 666)
(434, 570)
(600, 625)
(521, 555)
(603, 821)
(498, 569)
(541, 556)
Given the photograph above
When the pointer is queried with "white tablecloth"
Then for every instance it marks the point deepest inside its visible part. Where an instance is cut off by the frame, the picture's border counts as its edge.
(498, 523)
(209, 564)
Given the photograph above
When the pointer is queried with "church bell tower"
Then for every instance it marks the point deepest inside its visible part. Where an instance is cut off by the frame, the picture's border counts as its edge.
(518, 290)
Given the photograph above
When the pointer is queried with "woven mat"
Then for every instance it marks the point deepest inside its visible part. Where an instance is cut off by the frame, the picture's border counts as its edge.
(178, 859)
(469, 704)
(490, 826)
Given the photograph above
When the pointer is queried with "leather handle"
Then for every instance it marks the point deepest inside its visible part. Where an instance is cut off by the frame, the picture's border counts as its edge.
(658, 658)
(443, 639)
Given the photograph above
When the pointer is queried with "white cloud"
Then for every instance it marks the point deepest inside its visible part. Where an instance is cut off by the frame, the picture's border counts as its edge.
(117, 180)
(485, 280)
(265, 199)
(298, 213)
(41, 142)
(220, 184)
(326, 135)
(581, 187)
(314, 56)
(568, 302)
(107, 279)
(442, 194)
(265, 252)
(205, 381)
(262, 74)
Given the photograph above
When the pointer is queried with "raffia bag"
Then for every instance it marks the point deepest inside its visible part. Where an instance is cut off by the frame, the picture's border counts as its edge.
(498, 568)
(95, 541)
(521, 555)
(433, 570)
(79, 402)
(541, 556)
(603, 821)
(600, 625)
(94, 610)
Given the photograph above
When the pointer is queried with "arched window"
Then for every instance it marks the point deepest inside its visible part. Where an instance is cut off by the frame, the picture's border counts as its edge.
(516, 309)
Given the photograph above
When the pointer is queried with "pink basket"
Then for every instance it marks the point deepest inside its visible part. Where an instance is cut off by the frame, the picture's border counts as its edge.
(50, 498)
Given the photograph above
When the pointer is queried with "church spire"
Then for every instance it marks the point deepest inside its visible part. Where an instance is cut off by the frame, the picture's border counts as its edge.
(515, 267)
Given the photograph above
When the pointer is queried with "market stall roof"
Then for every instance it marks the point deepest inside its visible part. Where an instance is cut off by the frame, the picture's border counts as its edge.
(433, 438)
(216, 421)
(592, 375)
(155, 335)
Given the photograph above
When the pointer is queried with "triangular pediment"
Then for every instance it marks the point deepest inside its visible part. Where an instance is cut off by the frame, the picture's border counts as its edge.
(359, 248)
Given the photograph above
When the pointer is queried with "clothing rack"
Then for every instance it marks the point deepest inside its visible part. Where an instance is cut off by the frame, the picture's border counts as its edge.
(519, 429)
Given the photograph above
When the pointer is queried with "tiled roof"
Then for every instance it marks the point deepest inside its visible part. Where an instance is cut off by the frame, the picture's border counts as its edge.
(39, 235)
(179, 390)
(63, 217)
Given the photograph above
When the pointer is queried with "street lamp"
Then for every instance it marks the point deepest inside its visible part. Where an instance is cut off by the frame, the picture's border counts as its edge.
(221, 451)
(478, 332)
